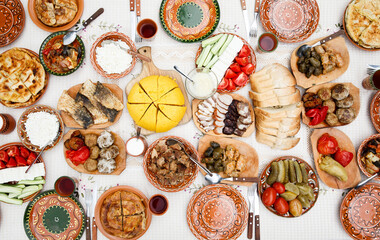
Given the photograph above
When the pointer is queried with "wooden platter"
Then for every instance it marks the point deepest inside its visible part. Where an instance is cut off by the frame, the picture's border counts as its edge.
(71, 123)
(338, 45)
(148, 69)
(345, 144)
(120, 159)
(252, 167)
(354, 91)
(238, 97)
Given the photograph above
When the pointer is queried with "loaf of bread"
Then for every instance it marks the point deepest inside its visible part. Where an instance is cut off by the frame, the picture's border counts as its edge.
(278, 142)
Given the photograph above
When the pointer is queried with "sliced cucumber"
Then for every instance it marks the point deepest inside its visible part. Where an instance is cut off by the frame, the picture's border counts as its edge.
(203, 55)
(215, 49)
(13, 195)
(38, 178)
(10, 189)
(32, 182)
(6, 199)
(14, 185)
(225, 45)
(211, 40)
(30, 189)
(208, 59)
(26, 194)
(212, 62)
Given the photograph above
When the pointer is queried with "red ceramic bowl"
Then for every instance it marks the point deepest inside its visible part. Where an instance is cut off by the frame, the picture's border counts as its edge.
(359, 153)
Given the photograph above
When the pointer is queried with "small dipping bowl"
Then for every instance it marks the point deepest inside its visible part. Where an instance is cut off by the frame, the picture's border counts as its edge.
(136, 146)
(205, 83)
(65, 186)
(158, 204)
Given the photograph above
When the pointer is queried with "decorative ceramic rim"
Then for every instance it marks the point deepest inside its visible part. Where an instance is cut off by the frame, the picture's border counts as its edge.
(167, 30)
(41, 93)
(126, 188)
(22, 24)
(22, 132)
(204, 189)
(298, 39)
(358, 157)
(38, 23)
(253, 58)
(153, 180)
(345, 199)
(39, 160)
(376, 98)
(112, 36)
(313, 180)
(348, 35)
(30, 206)
(43, 45)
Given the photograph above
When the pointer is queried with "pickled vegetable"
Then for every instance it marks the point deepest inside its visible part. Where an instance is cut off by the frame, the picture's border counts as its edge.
(292, 188)
(288, 196)
(217, 153)
(208, 152)
(303, 188)
(298, 171)
(304, 201)
(286, 165)
(273, 174)
(292, 172)
(304, 173)
(281, 172)
(295, 207)
(215, 145)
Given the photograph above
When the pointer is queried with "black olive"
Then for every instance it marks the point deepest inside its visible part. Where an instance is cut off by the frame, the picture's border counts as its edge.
(208, 152)
(214, 144)
(230, 123)
(228, 130)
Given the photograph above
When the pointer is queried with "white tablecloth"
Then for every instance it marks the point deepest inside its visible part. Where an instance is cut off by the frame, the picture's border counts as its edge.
(321, 222)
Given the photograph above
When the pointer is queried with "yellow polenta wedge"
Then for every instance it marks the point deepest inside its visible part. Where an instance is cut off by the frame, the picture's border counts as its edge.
(138, 95)
(174, 97)
(174, 113)
(149, 84)
(137, 110)
(165, 84)
(149, 119)
(163, 123)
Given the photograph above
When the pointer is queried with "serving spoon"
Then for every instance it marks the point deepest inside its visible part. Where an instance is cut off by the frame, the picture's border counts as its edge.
(213, 178)
(362, 183)
(71, 35)
(180, 72)
(304, 47)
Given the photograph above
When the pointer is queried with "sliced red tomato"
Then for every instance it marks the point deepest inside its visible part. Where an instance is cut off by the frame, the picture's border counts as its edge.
(223, 84)
(231, 85)
(230, 74)
(279, 187)
(31, 158)
(245, 51)
(327, 144)
(269, 196)
(281, 206)
(235, 67)
(248, 69)
(2, 165)
(3, 156)
(11, 163)
(242, 61)
(20, 161)
(24, 152)
(241, 79)
(13, 151)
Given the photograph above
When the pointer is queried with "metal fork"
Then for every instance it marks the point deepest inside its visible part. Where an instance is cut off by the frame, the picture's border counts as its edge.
(138, 39)
(253, 28)
(371, 69)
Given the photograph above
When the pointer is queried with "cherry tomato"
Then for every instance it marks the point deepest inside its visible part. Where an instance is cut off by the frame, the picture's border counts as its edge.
(13, 151)
(269, 196)
(31, 158)
(245, 51)
(231, 85)
(281, 206)
(279, 187)
(3, 156)
(230, 74)
(327, 144)
(248, 69)
(242, 61)
(223, 84)
(24, 152)
(241, 79)
(343, 157)
(235, 67)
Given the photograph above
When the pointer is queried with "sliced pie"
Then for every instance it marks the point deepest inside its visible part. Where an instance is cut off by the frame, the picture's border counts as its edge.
(371, 36)
(138, 95)
(164, 123)
(149, 119)
(165, 85)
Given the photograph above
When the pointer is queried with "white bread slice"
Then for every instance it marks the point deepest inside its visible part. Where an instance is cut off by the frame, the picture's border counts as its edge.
(271, 77)
(283, 124)
(283, 143)
(286, 131)
(279, 101)
(292, 110)
(277, 92)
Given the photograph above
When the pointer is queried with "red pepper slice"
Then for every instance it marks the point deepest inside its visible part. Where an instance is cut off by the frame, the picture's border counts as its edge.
(320, 117)
(79, 156)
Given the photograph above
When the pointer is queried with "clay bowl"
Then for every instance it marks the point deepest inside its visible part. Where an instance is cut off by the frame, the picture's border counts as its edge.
(152, 178)
(374, 111)
(114, 36)
(5, 147)
(33, 16)
(359, 152)
(101, 199)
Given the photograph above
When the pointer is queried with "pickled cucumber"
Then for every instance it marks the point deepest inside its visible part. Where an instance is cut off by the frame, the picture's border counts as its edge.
(288, 196)
(292, 188)
(281, 172)
(273, 173)
(286, 164)
(304, 173)
(298, 171)
(304, 201)
(303, 188)
(292, 172)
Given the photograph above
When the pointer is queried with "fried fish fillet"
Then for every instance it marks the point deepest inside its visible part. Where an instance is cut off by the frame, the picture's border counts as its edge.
(107, 98)
(97, 115)
(80, 114)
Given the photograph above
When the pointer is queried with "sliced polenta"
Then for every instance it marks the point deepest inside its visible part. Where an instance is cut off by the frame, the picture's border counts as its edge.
(149, 84)
(149, 119)
(163, 123)
(165, 85)
(137, 110)
(138, 95)
(174, 113)
(174, 97)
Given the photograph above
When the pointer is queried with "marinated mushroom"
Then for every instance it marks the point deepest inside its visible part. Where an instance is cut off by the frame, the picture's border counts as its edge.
(105, 139)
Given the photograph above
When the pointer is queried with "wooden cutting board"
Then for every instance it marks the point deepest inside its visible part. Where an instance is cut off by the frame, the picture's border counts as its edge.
(148, 69)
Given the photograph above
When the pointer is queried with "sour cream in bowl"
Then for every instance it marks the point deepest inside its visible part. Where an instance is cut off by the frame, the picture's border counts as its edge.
(203, 85)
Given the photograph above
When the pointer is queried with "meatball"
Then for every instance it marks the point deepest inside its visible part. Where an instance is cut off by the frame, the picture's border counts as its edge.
(90, 139)
(105, 139)
(94, 152)
(331, 119)
(331, 104)
(345, 115)
(324, 94)
(110, 152)
(346, 102)
(339, 92)
(91, 165)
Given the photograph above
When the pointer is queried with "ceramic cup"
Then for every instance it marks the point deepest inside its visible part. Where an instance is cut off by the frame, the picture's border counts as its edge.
(158, 204)
(372, 82)
(147, 29)
(136, 146)
(267, 43)
(65, 186)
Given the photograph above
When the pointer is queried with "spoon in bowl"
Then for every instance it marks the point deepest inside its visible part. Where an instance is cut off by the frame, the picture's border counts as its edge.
(176, 68)
(362, 183)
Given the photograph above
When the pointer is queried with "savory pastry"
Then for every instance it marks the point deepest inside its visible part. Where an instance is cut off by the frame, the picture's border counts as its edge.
(56, 13)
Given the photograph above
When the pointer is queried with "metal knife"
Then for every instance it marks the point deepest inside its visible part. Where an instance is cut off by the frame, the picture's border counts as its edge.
(246, 19)
(94, 229)
(257, 212)
(132, 19)
(88, 200)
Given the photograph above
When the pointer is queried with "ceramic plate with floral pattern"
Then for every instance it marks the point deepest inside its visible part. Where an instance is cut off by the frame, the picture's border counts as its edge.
(50, 216)
(290, 20)
(217, 212)
(12, 21)
(189, 20)
(360, 212)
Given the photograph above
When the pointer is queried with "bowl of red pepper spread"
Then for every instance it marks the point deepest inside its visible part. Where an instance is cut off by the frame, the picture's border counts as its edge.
(59, 59)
